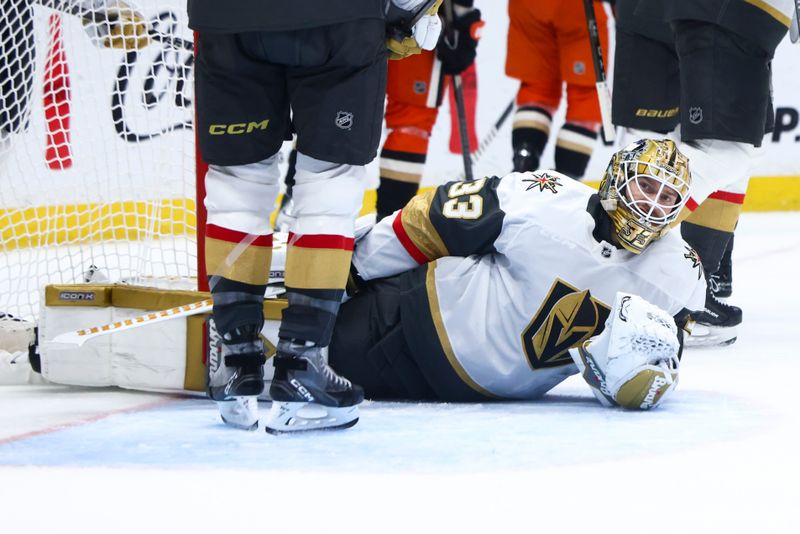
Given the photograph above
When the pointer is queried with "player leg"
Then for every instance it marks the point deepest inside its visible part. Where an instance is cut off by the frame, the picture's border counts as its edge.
(577, 137)
(722, 281)
(725, 107)
(240, 134)
(646, 91)
(532, 57)
(576, 140)
(709, 229)
(413, 96)
(336, 137)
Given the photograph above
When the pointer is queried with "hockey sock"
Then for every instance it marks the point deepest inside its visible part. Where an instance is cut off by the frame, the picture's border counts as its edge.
(401, 169)
(574, 146)
(709, 243)
(393, 195)
(529, 133)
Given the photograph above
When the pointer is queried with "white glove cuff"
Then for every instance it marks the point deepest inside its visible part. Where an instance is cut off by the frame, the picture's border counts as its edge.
(426, 31)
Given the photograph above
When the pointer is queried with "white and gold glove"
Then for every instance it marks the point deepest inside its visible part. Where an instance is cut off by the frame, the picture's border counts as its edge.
(114, 24)
(633, 363)
(424, 34)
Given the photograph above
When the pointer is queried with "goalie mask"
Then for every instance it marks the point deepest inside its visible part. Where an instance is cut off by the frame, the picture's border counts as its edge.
(644, 189)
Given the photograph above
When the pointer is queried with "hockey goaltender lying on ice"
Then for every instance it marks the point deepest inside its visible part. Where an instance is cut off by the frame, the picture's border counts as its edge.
(578, 257)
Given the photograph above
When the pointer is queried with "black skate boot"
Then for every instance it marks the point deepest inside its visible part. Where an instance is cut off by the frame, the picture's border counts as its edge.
(716, 325)
(307, 394)
(236, 377)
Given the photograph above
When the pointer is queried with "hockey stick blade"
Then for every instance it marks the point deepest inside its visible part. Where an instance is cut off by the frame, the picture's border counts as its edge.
(79, 337)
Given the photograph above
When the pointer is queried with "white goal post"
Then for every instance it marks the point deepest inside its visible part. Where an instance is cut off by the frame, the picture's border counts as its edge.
(97, 155)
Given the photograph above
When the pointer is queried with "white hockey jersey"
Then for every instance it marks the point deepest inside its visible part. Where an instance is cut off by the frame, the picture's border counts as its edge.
(518, 274)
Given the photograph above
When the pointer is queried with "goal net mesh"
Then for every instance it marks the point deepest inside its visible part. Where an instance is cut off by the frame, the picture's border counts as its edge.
(97, 157)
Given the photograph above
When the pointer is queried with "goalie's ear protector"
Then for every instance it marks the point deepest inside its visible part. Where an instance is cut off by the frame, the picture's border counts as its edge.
(633, 363)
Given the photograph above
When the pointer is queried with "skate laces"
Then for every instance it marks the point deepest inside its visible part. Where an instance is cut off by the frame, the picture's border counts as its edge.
(313, 355)
(718, 303)
(337, 380)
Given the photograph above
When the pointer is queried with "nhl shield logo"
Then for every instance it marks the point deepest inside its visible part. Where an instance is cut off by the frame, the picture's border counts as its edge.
(696, 115)
(344, 120)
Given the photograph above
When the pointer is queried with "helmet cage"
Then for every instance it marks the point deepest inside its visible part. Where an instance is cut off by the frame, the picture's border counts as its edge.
(633, 184)
(652, 181)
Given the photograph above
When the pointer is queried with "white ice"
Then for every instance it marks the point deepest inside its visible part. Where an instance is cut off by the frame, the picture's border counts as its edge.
(720, 455)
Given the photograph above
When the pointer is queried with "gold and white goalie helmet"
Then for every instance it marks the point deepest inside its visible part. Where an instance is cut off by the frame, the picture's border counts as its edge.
(644, 189)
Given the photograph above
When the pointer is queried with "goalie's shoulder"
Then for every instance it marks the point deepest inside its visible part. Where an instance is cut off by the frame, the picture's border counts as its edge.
(675, 271)
(543, 180)
(543, 190)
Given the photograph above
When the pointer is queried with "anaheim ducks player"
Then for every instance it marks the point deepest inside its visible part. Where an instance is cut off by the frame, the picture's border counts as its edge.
(492, 282)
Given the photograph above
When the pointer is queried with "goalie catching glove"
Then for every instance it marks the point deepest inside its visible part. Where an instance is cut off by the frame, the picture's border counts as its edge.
(114, 24)
(402, 40)
(633, 363)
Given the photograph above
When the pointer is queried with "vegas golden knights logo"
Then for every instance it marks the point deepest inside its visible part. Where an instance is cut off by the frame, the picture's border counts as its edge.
(566, 318)
(692, 256)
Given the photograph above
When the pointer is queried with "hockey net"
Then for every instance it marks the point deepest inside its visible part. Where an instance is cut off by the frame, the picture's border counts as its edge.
(97, 153)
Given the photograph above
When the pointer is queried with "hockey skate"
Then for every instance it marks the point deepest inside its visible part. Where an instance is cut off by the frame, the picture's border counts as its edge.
(307, 394)
(716, 325)
(236, 377)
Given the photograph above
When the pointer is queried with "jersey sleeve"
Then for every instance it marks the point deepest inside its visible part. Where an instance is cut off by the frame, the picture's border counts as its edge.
(455, 219)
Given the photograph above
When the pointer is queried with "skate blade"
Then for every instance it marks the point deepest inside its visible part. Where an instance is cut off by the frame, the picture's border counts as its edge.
(239, 412)
(704, 335)
(292, 417)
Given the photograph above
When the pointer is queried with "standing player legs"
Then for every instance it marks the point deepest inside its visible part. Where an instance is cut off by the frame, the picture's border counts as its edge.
(327, 197)
(533, 58)
(576, 139)
(413, 96)
(238, 254)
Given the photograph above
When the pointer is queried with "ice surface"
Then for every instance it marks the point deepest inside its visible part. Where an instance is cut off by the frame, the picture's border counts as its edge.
(720, 454)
